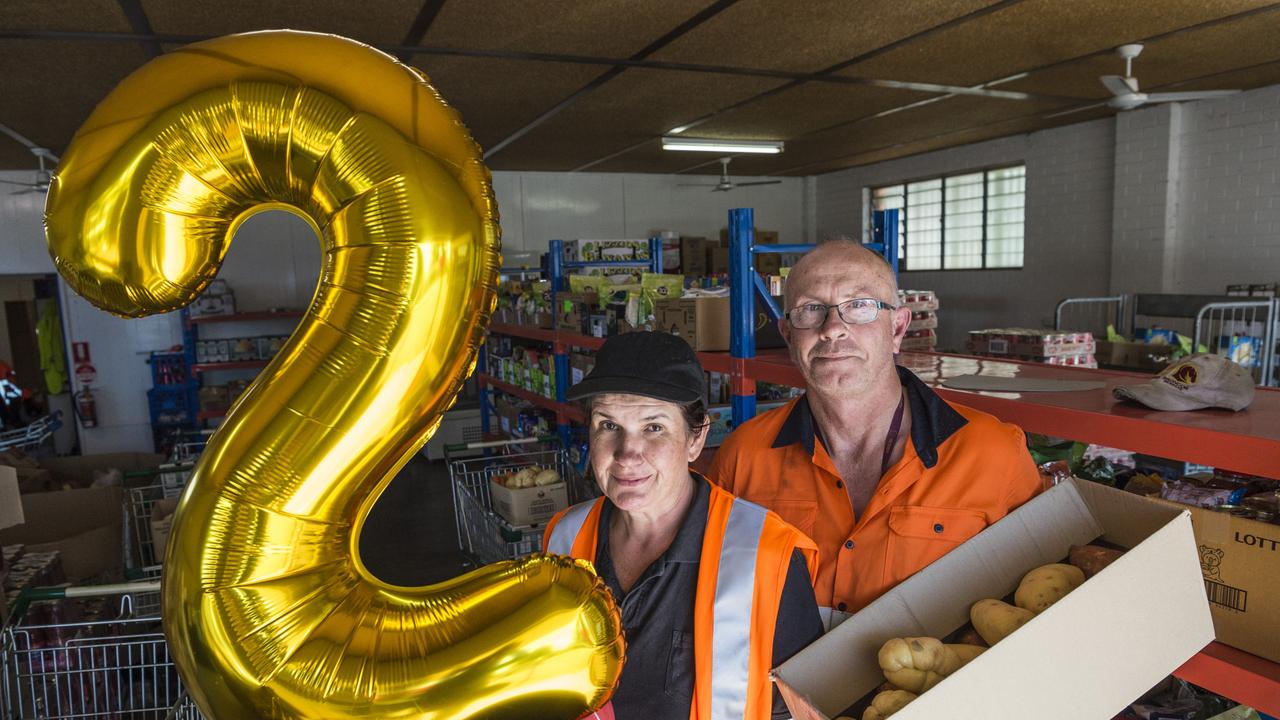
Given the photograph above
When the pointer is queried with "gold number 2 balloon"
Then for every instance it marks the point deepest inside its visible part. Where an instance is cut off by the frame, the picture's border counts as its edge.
(267, 608)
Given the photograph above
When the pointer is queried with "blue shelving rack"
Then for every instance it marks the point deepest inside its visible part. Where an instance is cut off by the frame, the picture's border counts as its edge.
(745, 285)
(556, 274)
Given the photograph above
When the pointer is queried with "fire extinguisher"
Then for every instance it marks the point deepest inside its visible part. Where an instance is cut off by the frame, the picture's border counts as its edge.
(86, 408)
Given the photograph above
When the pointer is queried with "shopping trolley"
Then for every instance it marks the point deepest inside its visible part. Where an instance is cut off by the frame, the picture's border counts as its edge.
(93, 652)
(165, 482)
(481, 532)
(30, 437)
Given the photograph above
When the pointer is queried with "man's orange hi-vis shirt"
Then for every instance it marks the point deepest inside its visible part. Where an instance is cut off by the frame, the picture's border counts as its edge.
(962, 470)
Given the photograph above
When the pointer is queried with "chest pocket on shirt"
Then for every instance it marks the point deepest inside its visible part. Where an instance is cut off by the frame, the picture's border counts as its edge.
(800, 514)
(918, 535)
(680, 673)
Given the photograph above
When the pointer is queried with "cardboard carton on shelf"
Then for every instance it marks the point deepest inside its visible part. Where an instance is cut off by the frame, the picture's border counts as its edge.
(1088, 656)
(161, 526)
(703, 322)
(1240, 561)
(693, 255)
(528, 506)
(1149, 357)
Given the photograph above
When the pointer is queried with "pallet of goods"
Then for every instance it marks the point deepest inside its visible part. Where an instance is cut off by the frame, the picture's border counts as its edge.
(1050, 347)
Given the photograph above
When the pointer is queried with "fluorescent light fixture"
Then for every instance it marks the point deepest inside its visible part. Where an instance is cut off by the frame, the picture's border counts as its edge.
(767, 147)
(677, 130)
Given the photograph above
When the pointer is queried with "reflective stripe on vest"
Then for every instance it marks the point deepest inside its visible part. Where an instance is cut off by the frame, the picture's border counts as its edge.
(735, 592)
(566, 531)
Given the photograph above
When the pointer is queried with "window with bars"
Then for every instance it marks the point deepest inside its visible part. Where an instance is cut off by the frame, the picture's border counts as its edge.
(972, 221)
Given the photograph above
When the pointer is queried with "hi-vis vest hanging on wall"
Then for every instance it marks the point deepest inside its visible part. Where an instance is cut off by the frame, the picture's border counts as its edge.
(746, 551)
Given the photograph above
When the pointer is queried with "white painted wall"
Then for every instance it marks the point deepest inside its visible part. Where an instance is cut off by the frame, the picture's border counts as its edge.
(1068, 225)
(539, 206)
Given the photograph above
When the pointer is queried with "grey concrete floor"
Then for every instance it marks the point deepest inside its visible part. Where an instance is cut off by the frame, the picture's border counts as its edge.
(410, 537)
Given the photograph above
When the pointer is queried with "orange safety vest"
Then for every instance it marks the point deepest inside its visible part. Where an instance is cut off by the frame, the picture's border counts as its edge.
(746, 551)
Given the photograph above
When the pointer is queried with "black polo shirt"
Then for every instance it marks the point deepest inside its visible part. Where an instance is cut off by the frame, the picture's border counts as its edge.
(657, 617)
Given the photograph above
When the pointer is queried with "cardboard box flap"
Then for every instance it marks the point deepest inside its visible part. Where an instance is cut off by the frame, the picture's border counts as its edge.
(1116, 633)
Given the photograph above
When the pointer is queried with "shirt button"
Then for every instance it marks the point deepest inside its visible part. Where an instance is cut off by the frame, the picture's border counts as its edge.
(848, 544)
(839, 484)
(842, 607)
(937, 527)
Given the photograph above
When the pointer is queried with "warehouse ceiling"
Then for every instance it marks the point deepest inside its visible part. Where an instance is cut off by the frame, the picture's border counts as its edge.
(593, 84)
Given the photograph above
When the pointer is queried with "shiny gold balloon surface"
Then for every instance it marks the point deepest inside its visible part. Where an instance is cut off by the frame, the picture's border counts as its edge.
(267, 607)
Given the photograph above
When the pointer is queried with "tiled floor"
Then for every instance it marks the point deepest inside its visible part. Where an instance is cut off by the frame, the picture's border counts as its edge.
(410, 536)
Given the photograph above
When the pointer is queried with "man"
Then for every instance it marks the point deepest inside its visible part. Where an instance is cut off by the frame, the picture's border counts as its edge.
(873, 465)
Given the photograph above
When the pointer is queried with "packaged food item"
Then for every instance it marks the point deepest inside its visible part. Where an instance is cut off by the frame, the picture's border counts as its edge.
(1190, 494)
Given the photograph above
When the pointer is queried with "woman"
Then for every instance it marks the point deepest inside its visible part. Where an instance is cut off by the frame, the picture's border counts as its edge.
(714, 591)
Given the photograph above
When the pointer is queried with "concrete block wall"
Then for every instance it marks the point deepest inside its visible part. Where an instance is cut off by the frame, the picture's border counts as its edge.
(1229, 193)
(1068, 224)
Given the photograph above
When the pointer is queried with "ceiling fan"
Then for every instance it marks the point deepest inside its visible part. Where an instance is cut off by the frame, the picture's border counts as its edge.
(43, 176)
(1125, 93)
(725, 183)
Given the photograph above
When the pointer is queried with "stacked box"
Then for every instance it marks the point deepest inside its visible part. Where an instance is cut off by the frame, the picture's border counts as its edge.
(1051, 347)
(922, 333)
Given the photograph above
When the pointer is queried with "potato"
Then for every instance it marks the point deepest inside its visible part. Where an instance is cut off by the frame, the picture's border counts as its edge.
(546, 477)
(969, 636)
(887, 703)
(917, 664)
(995, 620)
(1046, 585)
(1091, 559)
(523, 478)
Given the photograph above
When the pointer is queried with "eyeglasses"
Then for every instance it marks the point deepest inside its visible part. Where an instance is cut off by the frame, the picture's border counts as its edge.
(858, 311)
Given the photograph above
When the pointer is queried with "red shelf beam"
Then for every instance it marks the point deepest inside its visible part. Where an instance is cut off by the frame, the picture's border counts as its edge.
(244, 316)
(1236, 674)
(569, 411)
(236, 365)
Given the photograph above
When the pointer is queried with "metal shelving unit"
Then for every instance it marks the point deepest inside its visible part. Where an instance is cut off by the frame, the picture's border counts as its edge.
(560, 341)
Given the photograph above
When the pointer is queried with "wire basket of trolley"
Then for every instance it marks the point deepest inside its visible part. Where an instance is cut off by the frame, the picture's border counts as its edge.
(503, 499)
(90, 652)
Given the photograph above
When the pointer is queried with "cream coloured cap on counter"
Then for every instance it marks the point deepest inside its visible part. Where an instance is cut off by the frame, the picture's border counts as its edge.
(1193, 383)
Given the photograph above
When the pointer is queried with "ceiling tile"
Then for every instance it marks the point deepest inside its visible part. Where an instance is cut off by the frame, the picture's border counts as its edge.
(638, 104)
(779, 36)
(1036, 33)
(941, 120)
(369, 21)
(1220, 48)
(497, 97)
(603, 28)
(47, 101)
(99, 15)
(803, 109)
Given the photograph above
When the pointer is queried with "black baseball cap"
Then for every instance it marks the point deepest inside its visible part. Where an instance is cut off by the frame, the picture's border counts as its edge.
(652, 364)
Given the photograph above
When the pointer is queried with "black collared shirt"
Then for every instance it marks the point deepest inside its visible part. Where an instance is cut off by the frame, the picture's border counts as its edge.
(657, 617)
(933, 420)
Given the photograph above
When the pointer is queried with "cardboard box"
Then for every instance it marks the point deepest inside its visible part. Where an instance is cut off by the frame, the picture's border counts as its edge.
(1240, 561)
(528, 506)
(1088, 656)
(573, 310)
(10, 502)
(717, 260)
(693, 255)
(703, 322)
(1133, 355)
(84, 526)
(77, 471)
(161, 525)
(579, 365)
